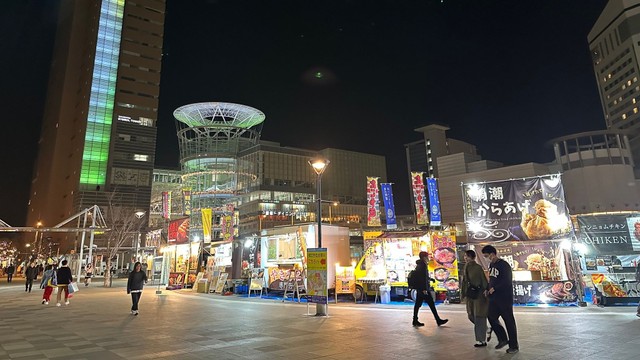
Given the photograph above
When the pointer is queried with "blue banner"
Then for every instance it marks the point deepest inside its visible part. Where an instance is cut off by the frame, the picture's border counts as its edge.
(389, 208)
(435, 219)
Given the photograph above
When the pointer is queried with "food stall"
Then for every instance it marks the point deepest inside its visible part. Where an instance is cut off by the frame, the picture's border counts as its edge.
(610, 254)
(182, 255)
(389, 257)
(528, 222)
(282, 250)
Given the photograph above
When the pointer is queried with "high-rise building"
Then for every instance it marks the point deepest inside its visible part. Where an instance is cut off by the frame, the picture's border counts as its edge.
(99, 128)
(614, 41)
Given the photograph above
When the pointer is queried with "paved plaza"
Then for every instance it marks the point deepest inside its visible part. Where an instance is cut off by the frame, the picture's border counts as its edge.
(185, 325)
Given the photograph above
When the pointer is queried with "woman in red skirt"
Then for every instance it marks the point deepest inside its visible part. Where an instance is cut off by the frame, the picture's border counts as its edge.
(48, 282)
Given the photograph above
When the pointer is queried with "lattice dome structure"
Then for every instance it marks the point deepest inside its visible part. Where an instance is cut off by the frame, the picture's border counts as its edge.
(211, 135)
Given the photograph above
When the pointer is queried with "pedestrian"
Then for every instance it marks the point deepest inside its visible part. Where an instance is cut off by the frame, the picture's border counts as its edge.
(10, 270)
(88, 274)
(474, 284)
(137, 279)
(64, 278)
(422, 286)
(500, 294)
(30, 275)
(47, 283)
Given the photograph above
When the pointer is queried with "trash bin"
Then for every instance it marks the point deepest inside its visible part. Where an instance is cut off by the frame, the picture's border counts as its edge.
(385, 294)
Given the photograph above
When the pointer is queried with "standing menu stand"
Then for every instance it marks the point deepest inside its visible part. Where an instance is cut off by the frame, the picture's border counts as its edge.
(221, 285)
(294, 285)
(256, 282)
(345, 282)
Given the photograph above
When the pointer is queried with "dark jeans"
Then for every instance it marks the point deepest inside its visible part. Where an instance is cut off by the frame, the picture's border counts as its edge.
(503, 309)
(9, 277)
(28, 285)
(135, 299)
(420, 298)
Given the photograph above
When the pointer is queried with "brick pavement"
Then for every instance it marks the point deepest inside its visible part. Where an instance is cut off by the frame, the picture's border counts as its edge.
(184, 325)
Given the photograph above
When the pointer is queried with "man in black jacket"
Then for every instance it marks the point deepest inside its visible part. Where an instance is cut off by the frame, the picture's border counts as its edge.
(422, 290)
(30, 275)
(500, 295)
(10, 270)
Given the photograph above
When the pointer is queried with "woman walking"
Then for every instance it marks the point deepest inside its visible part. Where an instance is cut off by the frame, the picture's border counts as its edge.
(473, 287)
(137, 279)
(47, 283)
(64, 279)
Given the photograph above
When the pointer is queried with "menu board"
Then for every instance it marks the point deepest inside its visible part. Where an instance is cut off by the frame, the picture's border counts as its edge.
(221, 281)
(257, 279)
(345, 280)
(544, 292)
(443, 264)
(317, 275)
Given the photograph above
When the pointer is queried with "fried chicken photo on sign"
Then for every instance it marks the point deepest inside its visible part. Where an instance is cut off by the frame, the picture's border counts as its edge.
(545, 223)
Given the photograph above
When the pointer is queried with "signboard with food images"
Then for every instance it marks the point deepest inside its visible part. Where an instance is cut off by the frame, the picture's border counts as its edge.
(516, 210)
(178, 231)
(317, 275)
(279, 276)
(257, 279)
(443, 263)
(345, 280)
(615, 234)
(544, 292)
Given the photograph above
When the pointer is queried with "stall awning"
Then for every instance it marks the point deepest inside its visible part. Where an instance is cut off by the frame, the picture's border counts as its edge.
(402, 234)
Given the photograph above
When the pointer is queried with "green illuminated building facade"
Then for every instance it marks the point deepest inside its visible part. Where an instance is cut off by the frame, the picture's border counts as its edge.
(99, 128)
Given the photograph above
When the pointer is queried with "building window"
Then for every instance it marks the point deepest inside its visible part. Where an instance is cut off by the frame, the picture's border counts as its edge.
(624, 116)
(139, 157)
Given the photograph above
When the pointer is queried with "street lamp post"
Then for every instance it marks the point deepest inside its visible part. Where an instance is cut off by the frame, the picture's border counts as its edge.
(139, 214)
(319, 166)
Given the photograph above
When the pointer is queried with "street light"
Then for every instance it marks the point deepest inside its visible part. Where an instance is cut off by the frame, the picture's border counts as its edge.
(335, 203)
(139, 214)
(319, 165)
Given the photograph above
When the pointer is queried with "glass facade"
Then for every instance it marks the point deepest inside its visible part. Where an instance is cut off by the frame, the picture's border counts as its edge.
(103, 86)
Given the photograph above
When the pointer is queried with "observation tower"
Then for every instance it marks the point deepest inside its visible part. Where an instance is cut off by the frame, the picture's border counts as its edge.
(210, 137)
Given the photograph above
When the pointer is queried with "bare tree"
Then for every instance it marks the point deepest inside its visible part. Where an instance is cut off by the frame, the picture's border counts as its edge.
(125, 224)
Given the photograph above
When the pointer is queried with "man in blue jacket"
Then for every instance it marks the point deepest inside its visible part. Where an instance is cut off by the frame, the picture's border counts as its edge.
(500, 296)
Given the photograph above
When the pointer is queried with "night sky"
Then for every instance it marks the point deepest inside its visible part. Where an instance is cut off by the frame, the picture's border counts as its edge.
(506, 76)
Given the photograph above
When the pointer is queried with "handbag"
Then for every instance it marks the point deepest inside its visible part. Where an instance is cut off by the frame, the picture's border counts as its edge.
(73, 288)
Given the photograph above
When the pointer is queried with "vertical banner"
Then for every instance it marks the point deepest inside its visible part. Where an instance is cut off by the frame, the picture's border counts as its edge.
(236, 223)
(226, 225)
(317, 275)
(516, 210)
(419, 198)
(443, 264)
(186, 201)
(434, 202)
(389, 207)
(373, 202)
(207, 217)
(166, 204)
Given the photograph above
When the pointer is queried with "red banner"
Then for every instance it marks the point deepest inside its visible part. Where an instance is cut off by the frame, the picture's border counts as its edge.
(373, 202)
(419, 198)
(178, 231)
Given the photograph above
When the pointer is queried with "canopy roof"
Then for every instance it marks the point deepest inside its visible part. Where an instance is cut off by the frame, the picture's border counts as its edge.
(219, 114)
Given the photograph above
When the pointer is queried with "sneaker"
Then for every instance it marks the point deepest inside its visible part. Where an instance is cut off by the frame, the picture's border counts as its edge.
(480, 344)
(512, 350)
(136, 314)
(442, 322)
(66, 302)
(133, 312)
(43, 301)
(46, 303)
(502, 344)
(417, 323)
(58, 304)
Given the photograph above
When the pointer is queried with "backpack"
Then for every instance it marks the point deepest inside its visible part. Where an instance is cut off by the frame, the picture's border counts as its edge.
(412, 280)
